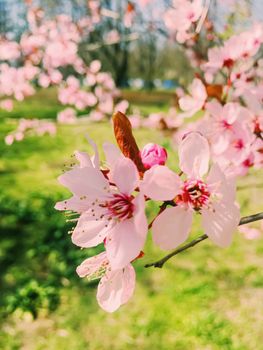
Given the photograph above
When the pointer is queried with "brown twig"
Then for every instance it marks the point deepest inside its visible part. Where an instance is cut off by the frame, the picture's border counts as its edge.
(161, 262)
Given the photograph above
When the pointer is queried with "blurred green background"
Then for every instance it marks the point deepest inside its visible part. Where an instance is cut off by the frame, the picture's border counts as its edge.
(206, 298)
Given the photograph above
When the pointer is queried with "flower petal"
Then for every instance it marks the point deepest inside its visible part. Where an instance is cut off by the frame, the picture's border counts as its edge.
(220, 184)
(116, 288)
(140, 220)
(89, 232)
(194, 155)
(123, 244)
(172, 227)
(84, 159)
(91, 265)
(125, 175)
(84, 182)
(73, 204)
(95, 158)
(220, 222)
(112, 154)
(160, 183)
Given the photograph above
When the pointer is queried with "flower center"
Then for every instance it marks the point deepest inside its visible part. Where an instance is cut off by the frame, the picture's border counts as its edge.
(194, 193)
(226, 125)
(239, 144)
(228, 63)
(120, 207)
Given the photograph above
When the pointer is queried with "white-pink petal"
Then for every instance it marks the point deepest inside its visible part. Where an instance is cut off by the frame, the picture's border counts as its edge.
(95, 158)
(112, 154)
(220, 185)
(84, 181)
(192, 104)
(125, 175)
(84, 159)
(124, 244)
(116, 288)
(194, 154)
(172, 227)
(140, 220)
(91, 265)
(220, 222)
(89, 232)
(73, 204)
(160, 183)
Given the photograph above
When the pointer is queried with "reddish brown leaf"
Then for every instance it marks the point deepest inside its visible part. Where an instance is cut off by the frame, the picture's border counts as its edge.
(126, 140)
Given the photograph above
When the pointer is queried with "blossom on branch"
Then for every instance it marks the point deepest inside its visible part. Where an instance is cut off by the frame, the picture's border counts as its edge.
(213, 198)
(115, 288)
(109, 210)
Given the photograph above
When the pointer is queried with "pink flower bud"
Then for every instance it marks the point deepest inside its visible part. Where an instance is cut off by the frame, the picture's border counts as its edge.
(153, 154)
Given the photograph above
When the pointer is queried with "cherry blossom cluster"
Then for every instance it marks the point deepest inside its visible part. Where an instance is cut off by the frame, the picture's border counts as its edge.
(169, 121)
(182, 17)
(16, 82)
(229, 92)
(48, 47)
(109, 200)
(31, 127)
(96, 94)
(40, 58)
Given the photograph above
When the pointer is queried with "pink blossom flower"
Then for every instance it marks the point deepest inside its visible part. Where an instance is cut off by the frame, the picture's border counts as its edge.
(109, 213)
(135, 120)
(112, 37)
(95, 66)
(214, 198)
(115, 288)
(153, 120)
(122, 106)
(153, 154)
(9, 139)
(106, 104)
(180, 18)
(67, 116)
(96, 115)
(16, 81)
(225, 124)
(9, 50)
(7, 105)
(250, 233)
(195, 102)
(241, 46)
(44, 80)
(144, 3)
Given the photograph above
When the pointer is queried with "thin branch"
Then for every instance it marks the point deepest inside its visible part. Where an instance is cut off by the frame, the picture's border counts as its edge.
(125, 38)
(161, 262)
(203, 17)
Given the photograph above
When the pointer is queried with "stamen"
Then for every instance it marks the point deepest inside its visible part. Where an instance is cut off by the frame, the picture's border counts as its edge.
(119, 207)
(100, 272)
(194, 193)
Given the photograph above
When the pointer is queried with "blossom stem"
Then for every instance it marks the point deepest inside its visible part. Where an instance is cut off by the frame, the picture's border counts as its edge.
(161, 262)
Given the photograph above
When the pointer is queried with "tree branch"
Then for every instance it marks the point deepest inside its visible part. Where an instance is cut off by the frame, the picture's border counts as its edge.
(161, 262)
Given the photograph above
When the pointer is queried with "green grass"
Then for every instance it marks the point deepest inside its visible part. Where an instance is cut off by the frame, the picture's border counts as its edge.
(204, 299)
(44, 104)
